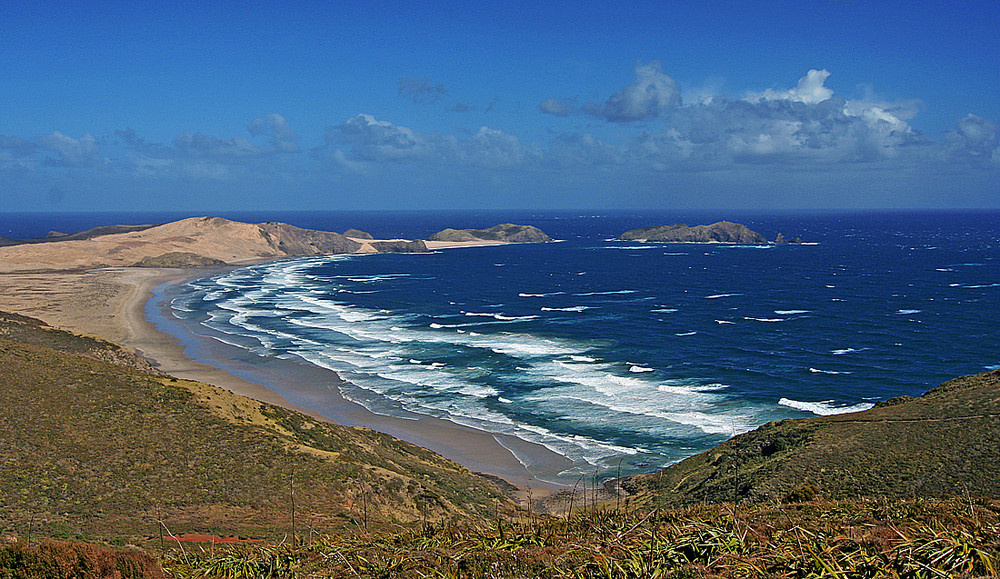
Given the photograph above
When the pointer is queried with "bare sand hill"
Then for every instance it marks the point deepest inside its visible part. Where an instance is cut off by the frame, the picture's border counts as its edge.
(212, 238)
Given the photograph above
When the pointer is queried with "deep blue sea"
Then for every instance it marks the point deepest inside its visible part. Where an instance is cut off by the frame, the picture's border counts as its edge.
(619, 353)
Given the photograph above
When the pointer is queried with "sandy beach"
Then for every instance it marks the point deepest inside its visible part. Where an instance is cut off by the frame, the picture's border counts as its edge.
(111, 303)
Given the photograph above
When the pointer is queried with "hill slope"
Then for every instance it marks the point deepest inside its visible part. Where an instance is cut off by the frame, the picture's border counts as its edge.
(204, 239)
(946, 442)
(94, 444)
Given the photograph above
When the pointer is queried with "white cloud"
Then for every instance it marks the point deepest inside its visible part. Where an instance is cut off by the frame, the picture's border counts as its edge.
(558, 107)
(810, 90)
(374, 140)
(70, 152)
(652, 94)
(493, 149)
(282, 137)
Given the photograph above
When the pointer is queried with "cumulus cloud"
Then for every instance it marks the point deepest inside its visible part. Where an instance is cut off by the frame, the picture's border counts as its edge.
(979, 134)
(805, 124)
(652, 94)
(810, 90)
(975, 140)
(69, 152)
(281, 136)
(420, 90)
(372, 140)
(492, 148)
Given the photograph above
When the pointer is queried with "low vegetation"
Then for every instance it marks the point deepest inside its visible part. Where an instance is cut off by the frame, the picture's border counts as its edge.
(93, 445)
(873, 538)
(944, 443)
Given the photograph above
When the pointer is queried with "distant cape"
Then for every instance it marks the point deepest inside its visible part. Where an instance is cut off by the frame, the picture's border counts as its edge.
(202, 241)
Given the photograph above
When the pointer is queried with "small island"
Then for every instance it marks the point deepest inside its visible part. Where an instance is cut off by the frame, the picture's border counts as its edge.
(504, 233)
(720, 232)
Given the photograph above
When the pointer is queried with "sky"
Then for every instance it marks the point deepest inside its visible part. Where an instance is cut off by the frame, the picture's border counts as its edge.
(783, 105)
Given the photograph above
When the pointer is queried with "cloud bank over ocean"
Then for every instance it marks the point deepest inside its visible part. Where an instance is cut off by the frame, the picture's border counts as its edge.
(656, 146)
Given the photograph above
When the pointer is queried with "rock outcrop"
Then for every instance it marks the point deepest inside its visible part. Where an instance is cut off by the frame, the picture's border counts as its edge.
(358, 234)
(399, 246)
(721, 232)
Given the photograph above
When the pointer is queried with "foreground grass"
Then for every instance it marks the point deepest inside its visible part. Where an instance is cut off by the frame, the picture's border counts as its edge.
(913, 538)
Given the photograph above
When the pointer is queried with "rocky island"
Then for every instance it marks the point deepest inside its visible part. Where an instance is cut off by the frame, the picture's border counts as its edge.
(721, 232)
(504, 233)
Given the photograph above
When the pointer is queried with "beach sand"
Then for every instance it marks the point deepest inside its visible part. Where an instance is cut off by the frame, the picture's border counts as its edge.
(111, 303)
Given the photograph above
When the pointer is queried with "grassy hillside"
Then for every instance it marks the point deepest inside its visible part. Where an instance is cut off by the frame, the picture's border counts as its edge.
(92, 444)
(946, 442)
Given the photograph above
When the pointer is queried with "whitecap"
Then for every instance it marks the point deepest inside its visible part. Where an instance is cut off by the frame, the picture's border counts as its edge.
(790, 312)
(907, 312)
(769, 320)
(637, 369)
(567, 309)
(843, 351)
(824, 408)
(717, 296)
(686, 333)
(723, 322)
(832, 372)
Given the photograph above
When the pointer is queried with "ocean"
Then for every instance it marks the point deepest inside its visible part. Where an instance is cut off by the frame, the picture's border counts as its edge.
(621, 356)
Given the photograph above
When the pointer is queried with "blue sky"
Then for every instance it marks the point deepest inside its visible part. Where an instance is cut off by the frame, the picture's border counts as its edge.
(432, 105)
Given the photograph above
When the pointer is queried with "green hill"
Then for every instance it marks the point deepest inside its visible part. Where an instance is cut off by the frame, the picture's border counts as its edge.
(944, 443)
(94, 444)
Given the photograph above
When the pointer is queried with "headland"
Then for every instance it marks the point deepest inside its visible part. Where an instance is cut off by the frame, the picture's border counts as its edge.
(91, 285)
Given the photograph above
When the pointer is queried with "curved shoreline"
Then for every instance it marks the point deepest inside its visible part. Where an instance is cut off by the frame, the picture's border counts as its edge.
(314, 391)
